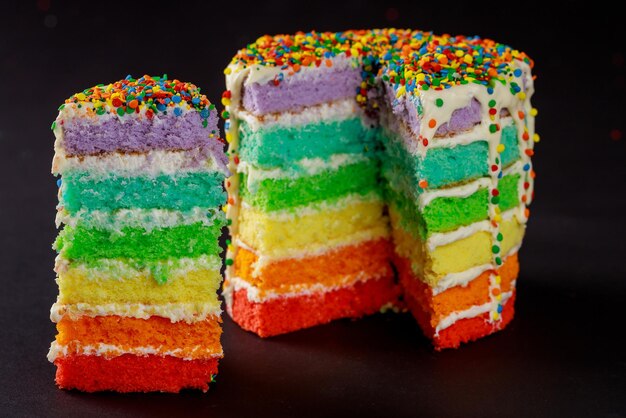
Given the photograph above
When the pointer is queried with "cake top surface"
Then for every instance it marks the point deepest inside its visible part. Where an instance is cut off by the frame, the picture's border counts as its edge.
(407, 59)
(147, 94)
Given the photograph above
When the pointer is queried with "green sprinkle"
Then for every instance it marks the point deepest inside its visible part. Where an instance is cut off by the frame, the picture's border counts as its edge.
(495, 200)
(493, 128)
(229, 262)
(495, 249)
(492, 103)
(499, 237)
(439, 102)
(120, 111)
(498, 261)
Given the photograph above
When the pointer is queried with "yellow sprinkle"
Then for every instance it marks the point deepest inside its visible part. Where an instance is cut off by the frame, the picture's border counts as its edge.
(498, 279)
(495, 316)
(97, 104)
(459, 53)
(420, 77)
(81, 96)
(499, 297)
(521, 95)
(468, 59)
(225, 208)
(533, 111)
(229, 137)
(225, 101)
(500, 148)
(536, 137)
(227, 70)
(400, 91)
(497, 208)
(497, 218)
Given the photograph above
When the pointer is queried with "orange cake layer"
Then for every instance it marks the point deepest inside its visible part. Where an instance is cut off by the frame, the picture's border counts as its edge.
(196, 340)
(464, 330)
(333, 268)
(129, 373)
(457, 298)
(286, 314)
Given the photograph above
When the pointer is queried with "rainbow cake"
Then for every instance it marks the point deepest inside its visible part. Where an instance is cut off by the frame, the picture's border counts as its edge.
(138, 266)
(375, 169)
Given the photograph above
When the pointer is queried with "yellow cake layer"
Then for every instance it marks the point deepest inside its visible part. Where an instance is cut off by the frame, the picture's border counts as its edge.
(279, 234)
(97, 287)
(457, 256)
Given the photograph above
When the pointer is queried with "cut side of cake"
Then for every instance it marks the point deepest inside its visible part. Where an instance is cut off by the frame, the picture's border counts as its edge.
(138, 265)
(358, 153)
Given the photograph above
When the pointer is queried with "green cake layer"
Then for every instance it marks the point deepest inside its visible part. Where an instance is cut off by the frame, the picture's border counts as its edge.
(330, 185)
(281, 146)
(445, 214)
(444, 166)
(185, 191)
(89, 244)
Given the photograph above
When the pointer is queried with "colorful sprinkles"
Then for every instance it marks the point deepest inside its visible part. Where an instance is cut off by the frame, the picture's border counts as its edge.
(147, 95)
(408, 60)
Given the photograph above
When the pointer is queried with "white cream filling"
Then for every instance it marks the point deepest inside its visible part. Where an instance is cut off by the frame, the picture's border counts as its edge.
(256, 295)
(109, 350)
(175, 312)
(327, 112)
(114, 269)
(304, 167)
(147, 219)
(472, 312)
(151, 163)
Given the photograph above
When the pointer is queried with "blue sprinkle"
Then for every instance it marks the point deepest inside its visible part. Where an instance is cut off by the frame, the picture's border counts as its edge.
(195, 100)
(204, 113)
(500, 175)
(176, 99)
(500, 308)
(167, 100)
(59, 182)
(526, 167)
(178, 111)
(517, 72)
(160, 106)
(490, 90)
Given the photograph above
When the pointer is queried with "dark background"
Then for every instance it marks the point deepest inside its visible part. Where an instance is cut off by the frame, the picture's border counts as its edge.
(559, 357)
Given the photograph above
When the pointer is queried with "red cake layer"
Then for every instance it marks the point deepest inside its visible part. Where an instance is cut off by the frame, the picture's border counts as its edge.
(130, 373)
(463, 330)
(286, 314)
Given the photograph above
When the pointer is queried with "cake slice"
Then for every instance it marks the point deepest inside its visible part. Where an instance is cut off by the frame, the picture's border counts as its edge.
(138, 265)
(310, 238)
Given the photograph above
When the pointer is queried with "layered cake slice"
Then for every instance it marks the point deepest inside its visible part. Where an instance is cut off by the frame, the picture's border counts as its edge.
(138, 266)
(358, 150)
(310, 241)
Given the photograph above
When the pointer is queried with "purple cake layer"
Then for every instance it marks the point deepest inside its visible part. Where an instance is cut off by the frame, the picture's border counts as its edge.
(314, 88)
(461, 119)
(131, 134)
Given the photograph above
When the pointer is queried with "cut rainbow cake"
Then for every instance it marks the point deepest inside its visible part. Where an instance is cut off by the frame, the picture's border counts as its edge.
(138, 266)
(356, 151)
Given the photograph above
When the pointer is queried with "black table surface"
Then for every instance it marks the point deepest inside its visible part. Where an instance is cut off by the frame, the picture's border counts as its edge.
(561, 355)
